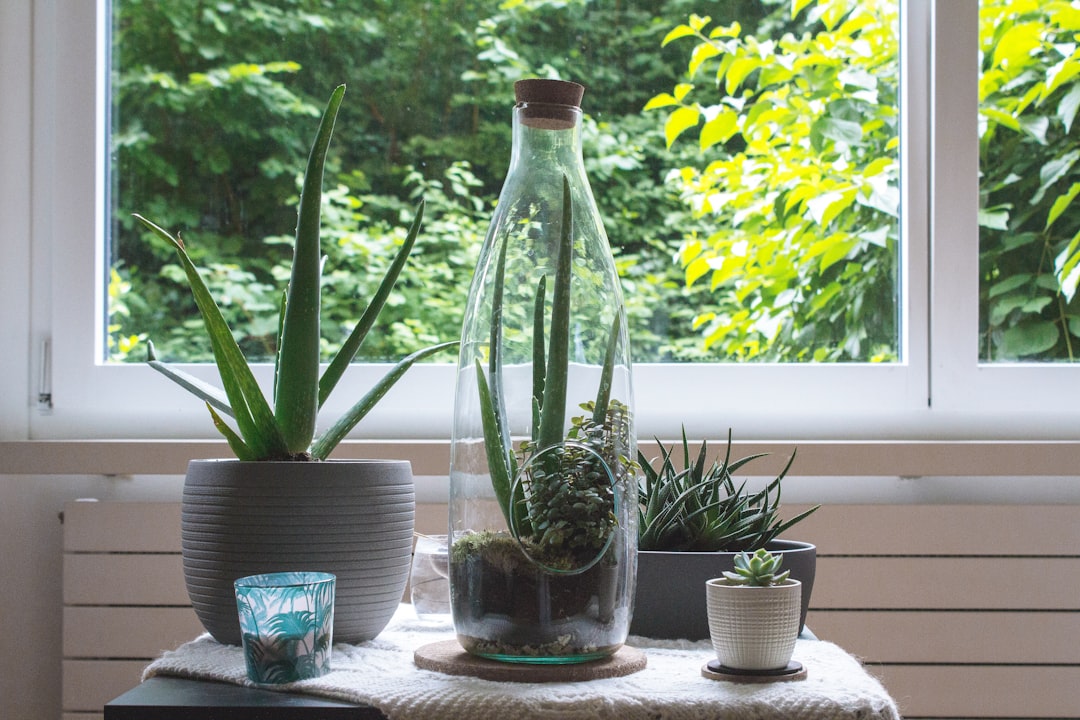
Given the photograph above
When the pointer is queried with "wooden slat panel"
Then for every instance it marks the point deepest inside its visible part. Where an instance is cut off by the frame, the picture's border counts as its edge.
(127, 632)
(947, 583)
(940, 529)
(122, 527)
(953, 637)
(982, 692)
(124, 580)
(89, 684)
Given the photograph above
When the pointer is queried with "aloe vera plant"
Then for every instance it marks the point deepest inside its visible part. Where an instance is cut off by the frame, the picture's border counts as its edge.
(287, 429)
(556, 491)
(701, 509)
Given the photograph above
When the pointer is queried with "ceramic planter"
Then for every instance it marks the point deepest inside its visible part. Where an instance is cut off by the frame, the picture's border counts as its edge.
(670, 600)
(350, 518)
(753, 628)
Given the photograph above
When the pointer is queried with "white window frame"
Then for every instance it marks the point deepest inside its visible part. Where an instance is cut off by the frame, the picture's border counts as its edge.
(937, 391)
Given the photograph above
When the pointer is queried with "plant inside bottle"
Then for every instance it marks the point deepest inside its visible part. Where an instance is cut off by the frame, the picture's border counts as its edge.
(557, 492)
(550, 579)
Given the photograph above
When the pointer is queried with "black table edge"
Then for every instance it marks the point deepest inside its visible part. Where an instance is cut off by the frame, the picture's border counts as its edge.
(174, 698)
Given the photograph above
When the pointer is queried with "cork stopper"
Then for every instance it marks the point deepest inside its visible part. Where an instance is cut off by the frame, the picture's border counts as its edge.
(548, 104)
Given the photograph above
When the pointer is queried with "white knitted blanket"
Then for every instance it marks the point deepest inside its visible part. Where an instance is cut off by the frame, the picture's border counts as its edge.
(381, 673)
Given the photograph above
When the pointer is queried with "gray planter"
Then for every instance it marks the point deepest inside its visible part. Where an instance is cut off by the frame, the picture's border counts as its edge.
(352, 518)
(670, 599)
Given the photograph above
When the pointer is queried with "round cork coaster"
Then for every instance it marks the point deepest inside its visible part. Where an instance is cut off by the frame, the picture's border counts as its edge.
(450, 658)
(715, 671)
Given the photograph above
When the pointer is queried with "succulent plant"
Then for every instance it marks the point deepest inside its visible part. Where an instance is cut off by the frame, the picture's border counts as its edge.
(700, 508)
(762, 569)
(286, 431)
(564, 502)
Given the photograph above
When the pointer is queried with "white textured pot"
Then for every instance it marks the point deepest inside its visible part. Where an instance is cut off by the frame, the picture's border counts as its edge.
(753, 628)
(352, 518)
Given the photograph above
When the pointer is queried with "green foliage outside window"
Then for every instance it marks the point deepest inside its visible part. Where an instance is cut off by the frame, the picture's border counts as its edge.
(753, 209)
(798, 176)
(1029, 255)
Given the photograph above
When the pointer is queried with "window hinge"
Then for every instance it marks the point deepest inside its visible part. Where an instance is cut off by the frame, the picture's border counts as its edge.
(44, 398)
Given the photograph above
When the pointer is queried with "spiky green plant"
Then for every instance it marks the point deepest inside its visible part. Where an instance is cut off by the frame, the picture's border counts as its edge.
(762, 569)
(701, 509)
(286, 431)
(564, 502)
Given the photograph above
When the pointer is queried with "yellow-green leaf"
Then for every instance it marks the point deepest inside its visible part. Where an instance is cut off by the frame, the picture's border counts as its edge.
(737, 72)
(733, 30)
(701, 53)
(797, 6)
(680, 120)
(679, 31)
(1061, 203)
(719, 129)
(695, 270)
(699, 21)
(661, 100)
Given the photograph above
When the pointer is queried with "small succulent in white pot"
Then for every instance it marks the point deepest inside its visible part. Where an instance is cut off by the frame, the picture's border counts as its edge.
(754, 613)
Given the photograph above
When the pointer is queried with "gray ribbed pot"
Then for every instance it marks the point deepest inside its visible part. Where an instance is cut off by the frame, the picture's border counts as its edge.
(352, 518)
(670, 597)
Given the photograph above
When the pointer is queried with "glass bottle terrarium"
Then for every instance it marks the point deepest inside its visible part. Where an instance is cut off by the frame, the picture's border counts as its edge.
(543, 489)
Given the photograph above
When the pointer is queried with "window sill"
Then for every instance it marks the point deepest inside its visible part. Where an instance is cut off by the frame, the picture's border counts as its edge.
(816, 458)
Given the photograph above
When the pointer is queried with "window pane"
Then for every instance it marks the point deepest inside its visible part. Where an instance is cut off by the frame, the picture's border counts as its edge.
(754, 220)
(1029, 247)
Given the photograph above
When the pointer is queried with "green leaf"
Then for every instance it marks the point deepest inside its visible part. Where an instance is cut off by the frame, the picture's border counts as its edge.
(236, 443)
(1067, 268)
(1009, 284)
(1061, 203)
(996, 218)
(1029, 338)
(196, 386)
(1066, 110)
(352, 344)
(252, 413)
(603, 393)
(843, 131)
(297, 396)
(680, 120)
(330, 439)
(826, 207)
(553, 412)
(493, 446)
(1053, 171)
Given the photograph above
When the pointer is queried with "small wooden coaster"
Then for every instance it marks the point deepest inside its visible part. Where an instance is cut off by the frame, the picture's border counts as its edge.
(449, 657)
(715, 671)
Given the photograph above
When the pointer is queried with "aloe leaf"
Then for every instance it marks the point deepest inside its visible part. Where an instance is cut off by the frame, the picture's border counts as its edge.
(211, 394)
(239, 447)
(539, 355)
(496, 457)
(607, 373)
(330, 439)
(553, 411)
(297, 402)
(277, 353)
(253, 415)
(494, 377)
(352, 344)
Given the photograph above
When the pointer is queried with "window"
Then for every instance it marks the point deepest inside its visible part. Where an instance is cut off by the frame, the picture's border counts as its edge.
(932, 385)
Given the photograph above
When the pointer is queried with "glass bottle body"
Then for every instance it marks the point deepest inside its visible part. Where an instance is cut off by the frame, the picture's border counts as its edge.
(543, 492)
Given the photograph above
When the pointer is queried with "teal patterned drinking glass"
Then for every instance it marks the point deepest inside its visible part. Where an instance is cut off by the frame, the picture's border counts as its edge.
(286, 625)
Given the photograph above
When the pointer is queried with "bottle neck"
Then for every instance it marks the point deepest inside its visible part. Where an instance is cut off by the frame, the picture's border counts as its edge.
(547, 136)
